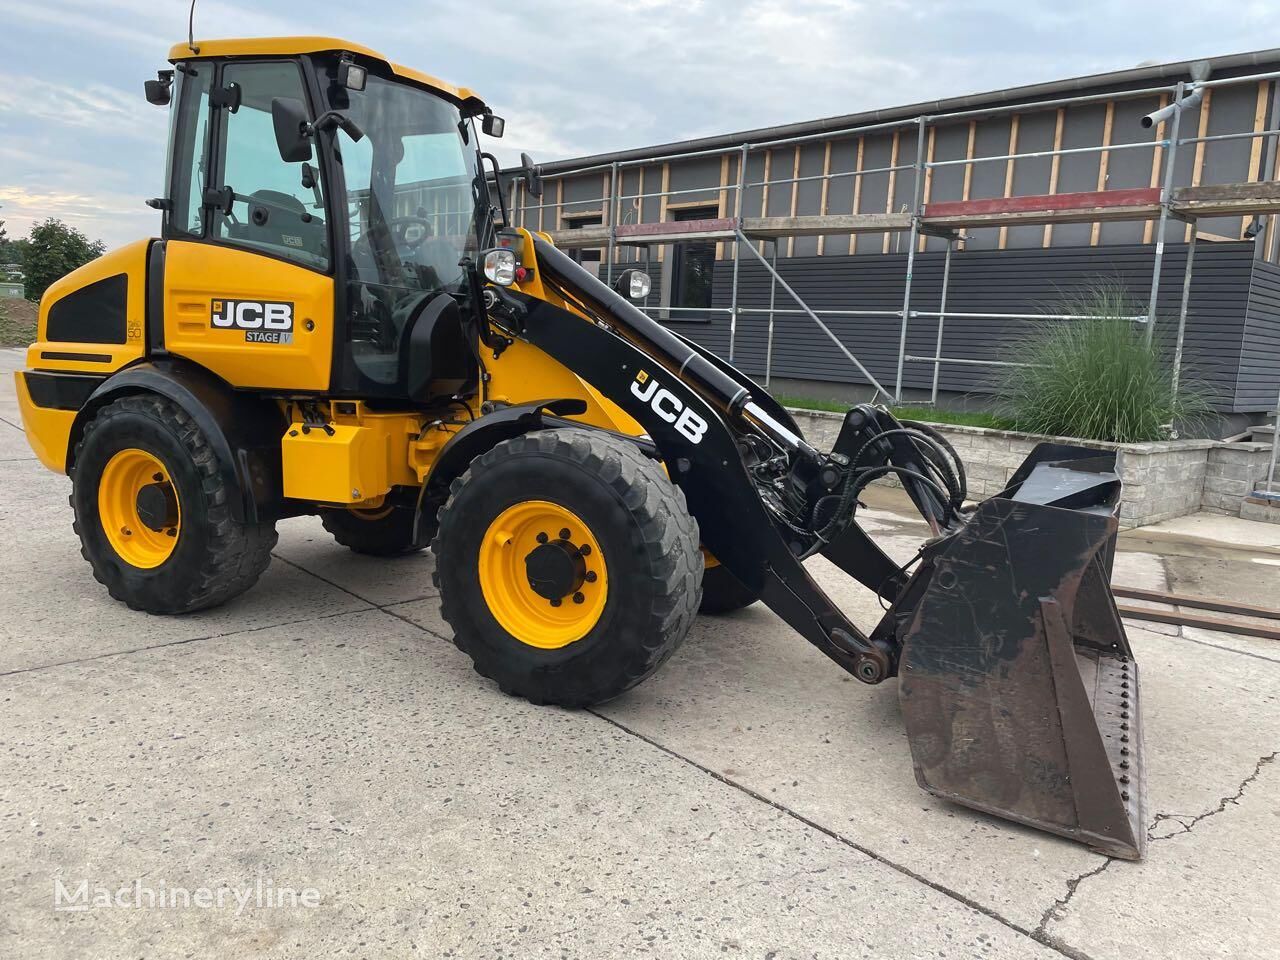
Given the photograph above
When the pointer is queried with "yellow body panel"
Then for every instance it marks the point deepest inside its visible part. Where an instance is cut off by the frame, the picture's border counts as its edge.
(295, 46)
(48, 430)
(130, 260)
(366, 455)
(200, 277)
(344, 464)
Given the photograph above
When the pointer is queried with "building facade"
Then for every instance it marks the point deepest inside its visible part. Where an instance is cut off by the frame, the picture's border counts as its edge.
(1018, 198)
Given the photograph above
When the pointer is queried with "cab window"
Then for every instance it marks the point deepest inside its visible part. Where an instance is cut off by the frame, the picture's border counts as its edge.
(189, 157)
(275, 206)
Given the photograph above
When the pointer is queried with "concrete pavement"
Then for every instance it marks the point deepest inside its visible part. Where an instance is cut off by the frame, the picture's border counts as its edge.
(321, 732)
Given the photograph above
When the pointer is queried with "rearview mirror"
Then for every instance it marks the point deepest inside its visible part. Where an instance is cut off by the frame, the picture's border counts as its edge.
(493, 125)
(160, 90)
(532, 176)
(289, 117)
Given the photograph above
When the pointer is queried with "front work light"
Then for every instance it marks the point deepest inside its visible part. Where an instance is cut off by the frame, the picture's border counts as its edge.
(634, 284)
(500, 267)
(352, 75)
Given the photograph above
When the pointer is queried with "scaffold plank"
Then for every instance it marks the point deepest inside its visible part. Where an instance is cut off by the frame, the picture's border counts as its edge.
(816, 226)
(1083, 207)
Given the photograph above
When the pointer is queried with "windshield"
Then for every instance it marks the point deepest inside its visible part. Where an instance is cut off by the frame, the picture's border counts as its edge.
(413, 189)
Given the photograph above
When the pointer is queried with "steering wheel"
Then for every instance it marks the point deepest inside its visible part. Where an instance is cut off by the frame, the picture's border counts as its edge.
(398, 227)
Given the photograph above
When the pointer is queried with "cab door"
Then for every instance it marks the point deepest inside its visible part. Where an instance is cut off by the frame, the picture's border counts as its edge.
(248, 274)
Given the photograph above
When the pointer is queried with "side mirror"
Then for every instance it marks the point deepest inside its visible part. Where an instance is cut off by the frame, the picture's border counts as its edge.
(493, 125)
(160, 90)
(289, 117)
(532, 176)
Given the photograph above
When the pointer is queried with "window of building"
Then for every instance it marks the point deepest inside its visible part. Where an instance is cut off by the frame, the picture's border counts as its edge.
(693, 265)
(590, 257)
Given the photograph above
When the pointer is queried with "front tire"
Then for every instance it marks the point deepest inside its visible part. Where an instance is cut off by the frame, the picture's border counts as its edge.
(545, 618)
(153, 511)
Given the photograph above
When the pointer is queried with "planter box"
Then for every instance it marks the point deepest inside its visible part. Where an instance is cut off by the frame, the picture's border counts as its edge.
(1161, 480)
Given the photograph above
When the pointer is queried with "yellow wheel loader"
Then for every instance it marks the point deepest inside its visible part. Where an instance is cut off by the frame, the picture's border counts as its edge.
(334, 321)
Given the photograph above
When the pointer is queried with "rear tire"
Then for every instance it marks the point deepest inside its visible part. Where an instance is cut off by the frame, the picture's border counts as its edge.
(722, 592)
(644, 581)
(212, 558)
(387, 532)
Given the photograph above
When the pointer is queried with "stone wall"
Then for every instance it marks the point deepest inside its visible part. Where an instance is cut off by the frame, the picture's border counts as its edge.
(1161, 480)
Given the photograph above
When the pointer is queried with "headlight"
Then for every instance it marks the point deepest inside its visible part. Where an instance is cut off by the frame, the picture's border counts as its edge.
(500, 267)
(634, 284)
(640, 285)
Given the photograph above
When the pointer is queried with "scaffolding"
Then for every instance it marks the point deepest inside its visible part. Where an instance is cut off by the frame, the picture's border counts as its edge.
(945, 220)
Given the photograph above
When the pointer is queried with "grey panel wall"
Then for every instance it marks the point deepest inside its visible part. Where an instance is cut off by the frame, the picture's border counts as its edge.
(1009, 281)
(1259, 378)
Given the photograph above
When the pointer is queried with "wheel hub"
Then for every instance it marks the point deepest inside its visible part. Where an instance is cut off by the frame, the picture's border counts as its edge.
(157, 506)
(543, 574)
(138, 508)
(556, 569)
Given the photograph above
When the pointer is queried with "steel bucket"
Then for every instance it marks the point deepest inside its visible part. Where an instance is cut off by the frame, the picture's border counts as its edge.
(1018, 686)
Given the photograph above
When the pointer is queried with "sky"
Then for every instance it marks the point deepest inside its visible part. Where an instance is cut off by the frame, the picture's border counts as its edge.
(79, 142)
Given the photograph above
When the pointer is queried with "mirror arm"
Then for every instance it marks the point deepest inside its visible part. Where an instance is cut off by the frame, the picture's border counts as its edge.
(497, 181)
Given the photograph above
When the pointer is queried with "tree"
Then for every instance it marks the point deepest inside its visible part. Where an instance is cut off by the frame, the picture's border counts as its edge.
(54, 250)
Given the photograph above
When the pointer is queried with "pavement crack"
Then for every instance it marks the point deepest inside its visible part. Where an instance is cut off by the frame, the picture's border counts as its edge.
(1188, 822)
(383, 607)
(1058, 909)
(1037, 935)
(180, 643)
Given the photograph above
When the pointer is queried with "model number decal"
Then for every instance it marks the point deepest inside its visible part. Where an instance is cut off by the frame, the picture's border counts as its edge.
(669, 407)
(263, 321)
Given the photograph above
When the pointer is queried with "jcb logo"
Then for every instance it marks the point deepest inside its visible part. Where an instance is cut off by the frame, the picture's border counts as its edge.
(263, 321)
(669, 407)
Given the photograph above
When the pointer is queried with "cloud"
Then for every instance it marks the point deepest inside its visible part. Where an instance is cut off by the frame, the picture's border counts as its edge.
(572, 78)
(95, 105)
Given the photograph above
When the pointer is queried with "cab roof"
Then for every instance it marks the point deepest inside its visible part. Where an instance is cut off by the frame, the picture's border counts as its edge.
(293, 46)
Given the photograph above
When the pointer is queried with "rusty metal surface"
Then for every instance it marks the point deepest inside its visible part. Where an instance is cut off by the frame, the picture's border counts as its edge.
(1017, 683)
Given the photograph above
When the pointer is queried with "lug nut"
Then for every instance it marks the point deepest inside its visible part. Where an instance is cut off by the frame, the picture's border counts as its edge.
(1124, 778)
(585, 550)
(157, 477)
(590, 576)
(555, 602)
(542, 538)
(564, 533)
(1124, 794)
(578, 598)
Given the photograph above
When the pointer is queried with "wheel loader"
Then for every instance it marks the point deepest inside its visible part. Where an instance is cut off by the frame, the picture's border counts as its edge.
(338, 318)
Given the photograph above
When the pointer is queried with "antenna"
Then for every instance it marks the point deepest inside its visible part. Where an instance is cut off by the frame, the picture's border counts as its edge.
(191, 28)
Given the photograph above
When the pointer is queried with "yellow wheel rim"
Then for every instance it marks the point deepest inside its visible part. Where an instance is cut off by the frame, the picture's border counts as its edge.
(543, 574)
(138, 507)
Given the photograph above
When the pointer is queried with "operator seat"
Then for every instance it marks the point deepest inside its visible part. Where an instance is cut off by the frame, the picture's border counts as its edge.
(279, 220)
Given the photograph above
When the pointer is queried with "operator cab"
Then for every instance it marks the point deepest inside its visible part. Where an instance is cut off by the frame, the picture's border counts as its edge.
(324, 155)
